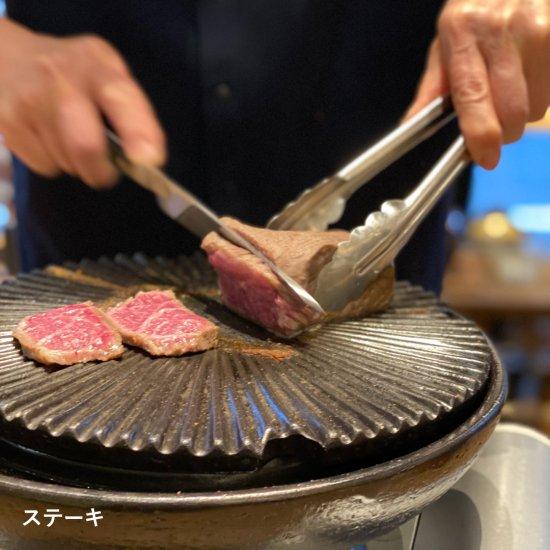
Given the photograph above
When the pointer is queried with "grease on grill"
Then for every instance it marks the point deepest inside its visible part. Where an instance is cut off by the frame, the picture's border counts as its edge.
(265, 349)
(205, 292)
(78, 276)
(122, 292)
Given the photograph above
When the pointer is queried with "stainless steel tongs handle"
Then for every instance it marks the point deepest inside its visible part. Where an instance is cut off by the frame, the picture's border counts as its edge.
(397, 143)
(324, 204)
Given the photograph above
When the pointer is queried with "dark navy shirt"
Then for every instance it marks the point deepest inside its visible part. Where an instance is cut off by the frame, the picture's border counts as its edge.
(259, 99)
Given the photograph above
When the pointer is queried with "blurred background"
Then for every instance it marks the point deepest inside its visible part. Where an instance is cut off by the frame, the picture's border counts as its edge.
(498, 271)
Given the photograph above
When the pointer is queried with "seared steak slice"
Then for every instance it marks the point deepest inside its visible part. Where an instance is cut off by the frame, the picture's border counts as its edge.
(68, 334)
(158, 322)
(249, 287)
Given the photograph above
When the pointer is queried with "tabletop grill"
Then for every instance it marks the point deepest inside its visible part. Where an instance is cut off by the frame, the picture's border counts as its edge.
(255, 411)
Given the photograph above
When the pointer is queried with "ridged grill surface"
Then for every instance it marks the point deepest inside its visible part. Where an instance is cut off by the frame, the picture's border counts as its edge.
(344, 384)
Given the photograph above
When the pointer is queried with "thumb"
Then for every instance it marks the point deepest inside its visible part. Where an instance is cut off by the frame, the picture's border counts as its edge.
(433, 82)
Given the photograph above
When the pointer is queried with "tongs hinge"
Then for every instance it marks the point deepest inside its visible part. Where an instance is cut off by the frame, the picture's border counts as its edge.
(322, 205)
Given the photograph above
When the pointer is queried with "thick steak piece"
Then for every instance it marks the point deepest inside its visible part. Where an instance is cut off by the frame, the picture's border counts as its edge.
(157, 322)
(249, 287)
(69, 334)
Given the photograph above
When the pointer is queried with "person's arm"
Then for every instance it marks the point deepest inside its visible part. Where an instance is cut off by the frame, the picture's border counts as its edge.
(53, 94)
(494, 58)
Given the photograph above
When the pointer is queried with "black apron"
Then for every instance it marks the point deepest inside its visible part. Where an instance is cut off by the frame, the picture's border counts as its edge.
(259, 99)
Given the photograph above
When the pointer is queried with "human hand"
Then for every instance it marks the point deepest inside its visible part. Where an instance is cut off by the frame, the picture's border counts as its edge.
(53, 95)
(493, 56)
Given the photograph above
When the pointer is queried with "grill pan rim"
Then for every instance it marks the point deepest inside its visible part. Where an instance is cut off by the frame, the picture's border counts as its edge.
(487, 412)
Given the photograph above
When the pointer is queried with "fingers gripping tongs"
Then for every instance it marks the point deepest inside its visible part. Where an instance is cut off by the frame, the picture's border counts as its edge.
(374, 245)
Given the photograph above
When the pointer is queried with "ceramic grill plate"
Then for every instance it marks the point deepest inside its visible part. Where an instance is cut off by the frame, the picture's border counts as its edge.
(358, 390)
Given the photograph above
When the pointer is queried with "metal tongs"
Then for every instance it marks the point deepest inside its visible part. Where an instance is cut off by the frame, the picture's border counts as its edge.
(374, 245)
